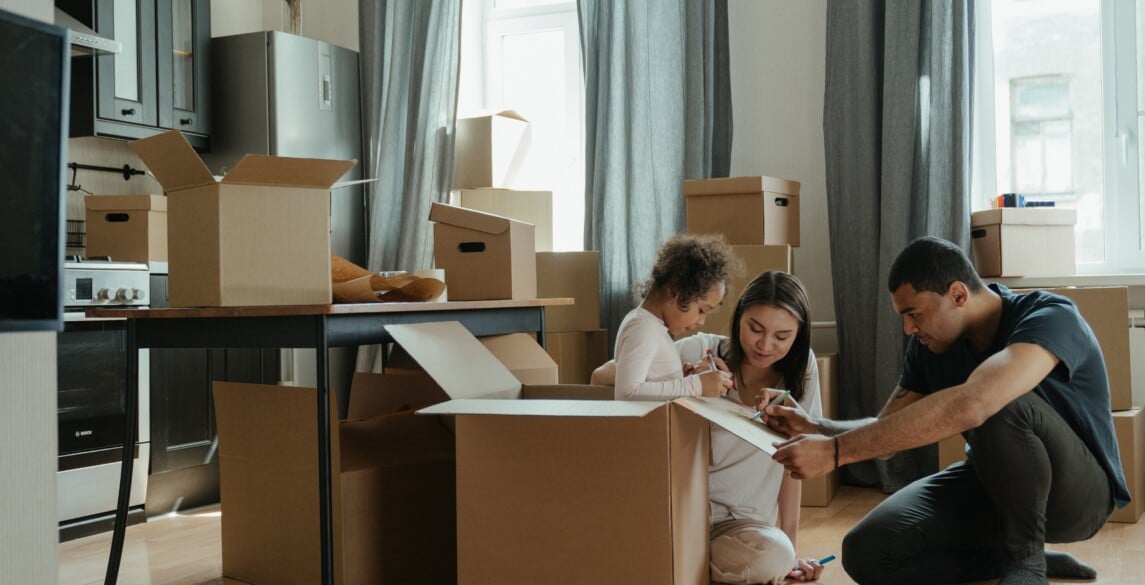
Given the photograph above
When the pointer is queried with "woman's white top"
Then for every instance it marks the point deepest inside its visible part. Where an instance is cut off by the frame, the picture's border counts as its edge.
(648, 365)
(743, 482)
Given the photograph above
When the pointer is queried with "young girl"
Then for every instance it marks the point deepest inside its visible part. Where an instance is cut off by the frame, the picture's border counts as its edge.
(754, 505)
(689, 279)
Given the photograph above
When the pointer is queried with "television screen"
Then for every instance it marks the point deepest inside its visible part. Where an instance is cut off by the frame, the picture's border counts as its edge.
(34, 65)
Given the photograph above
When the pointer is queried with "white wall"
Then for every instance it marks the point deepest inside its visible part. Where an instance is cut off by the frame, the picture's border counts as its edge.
(777, 74)
(333, 21)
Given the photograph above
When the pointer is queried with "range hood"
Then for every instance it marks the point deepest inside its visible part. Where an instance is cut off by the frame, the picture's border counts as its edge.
(84, 40)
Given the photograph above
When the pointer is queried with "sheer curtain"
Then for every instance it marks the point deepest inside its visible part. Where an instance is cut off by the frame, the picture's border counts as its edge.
(896, 126)
(657, 110)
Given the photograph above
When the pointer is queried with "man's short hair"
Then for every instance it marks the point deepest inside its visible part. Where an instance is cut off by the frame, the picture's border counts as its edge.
(932, 264)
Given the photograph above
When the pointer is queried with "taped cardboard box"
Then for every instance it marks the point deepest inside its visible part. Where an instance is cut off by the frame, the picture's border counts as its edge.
(573, 275)
(821, 490)
(1015, 241)
(126, 228)
(392, 479)
(756, 259)
(485, 256)
(537, 475)
(258, 236)
(490, 150)
(535, 207)
(577, 353)
(1129, 425)
(746, 210)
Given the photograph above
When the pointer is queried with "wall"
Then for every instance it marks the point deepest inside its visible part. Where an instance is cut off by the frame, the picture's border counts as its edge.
(777, 68)
(28, 533)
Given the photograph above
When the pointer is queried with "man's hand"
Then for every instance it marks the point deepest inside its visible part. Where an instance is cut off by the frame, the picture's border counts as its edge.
(789, 419)
(807, 456)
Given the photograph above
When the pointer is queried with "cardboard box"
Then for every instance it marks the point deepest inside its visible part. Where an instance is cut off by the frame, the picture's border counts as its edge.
(747, 210)
(514, 447)
(535, 207)
(573, 275)
(821, 490)
(393, 496)
(1130, 428)
(951, 450)
(489, 150)
(485, 256)
(258, 236)
(1034, 241)
(1137, 364)
(1106, 309)
(520, 354)
(577, 353)
(756, 259)
(128, 228)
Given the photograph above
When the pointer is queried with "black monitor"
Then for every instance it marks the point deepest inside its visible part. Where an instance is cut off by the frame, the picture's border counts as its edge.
(34, 97)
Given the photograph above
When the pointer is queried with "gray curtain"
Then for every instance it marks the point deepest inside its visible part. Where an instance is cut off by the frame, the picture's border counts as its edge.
(896, 126)
(410, 54)
(657, 110)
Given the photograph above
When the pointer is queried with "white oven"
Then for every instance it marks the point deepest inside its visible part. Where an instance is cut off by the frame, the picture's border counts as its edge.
(92, 392)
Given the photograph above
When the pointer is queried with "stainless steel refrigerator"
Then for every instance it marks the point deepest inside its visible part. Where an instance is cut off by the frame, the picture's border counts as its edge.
(284, 95)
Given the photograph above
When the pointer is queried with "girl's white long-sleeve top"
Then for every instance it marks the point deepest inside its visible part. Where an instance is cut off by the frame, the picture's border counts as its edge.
(648, 364)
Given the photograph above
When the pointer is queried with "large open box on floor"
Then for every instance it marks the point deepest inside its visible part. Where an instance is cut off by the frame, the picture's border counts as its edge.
(551, 490)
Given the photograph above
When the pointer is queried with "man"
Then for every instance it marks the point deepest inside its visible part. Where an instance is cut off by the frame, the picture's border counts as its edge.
(1022, 378)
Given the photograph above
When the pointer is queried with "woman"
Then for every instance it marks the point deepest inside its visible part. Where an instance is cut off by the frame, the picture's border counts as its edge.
(754, 505)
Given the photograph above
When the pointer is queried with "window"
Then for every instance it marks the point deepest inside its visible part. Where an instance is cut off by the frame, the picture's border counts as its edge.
(524, 55)
(1058, 112)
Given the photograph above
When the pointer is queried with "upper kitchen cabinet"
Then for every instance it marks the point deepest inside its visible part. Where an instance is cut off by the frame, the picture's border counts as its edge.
(158, 82)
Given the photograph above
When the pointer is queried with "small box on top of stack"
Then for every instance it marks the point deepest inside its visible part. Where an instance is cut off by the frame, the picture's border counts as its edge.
(1023, 241)
(127, 228)
(490, 164)
(573, 336)
(258, 236)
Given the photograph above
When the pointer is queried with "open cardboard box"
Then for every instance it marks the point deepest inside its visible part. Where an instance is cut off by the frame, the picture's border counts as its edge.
(552, 490)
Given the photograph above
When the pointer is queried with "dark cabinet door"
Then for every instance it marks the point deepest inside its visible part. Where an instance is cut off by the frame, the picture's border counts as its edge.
(127, 80)
(184, 39)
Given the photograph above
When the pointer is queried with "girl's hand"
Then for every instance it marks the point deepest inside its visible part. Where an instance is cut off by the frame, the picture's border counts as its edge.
(806, 570)
(715, 383)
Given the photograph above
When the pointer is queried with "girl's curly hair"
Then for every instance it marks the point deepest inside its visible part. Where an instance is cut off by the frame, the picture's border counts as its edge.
(689, 265)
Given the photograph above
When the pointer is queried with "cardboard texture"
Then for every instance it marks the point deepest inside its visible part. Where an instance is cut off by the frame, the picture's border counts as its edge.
(821, 490)
(513, 445)
(489, 150)
(747, 210)
(577, 353)
(573, 275)
(393, 496)
(485, 256)
(1023, 241)
(258, 236)
(756, 259)
(1106, 309)
(127, 228)
(1130, 428)
(535, 207)
(951, 450)
(1137, 364)
(527, 361)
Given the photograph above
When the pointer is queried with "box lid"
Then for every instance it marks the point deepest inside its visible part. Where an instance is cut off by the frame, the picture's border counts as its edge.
(730, 185)
(546, 407)
(257, 169)
(125, 202)
(456, 360)
(172, 160)
(735, 418)
(471, 219)
(511, 114)
(1024, 216)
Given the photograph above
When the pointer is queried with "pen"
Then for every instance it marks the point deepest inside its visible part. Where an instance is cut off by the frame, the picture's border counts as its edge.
(778, 400)
(826, 559)
(711, 361)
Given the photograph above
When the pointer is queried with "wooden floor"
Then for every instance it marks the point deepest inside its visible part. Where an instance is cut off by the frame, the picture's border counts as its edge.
(184, 549)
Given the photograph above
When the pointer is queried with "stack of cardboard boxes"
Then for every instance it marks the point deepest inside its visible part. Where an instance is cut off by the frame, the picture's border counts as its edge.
(1106, 309)
(573, 336)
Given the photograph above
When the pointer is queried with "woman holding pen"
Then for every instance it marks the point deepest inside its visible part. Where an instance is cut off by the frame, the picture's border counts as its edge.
(754, 505)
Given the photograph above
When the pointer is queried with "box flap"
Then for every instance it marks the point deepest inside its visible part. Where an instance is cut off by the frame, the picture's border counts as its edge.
(512, 114)
(730, 185)
(1024, 216)
(470, 219)
(172, 160)
(581, 408)
(456, 360)
(735, 418)
(125, 202)
(526, 360)
(259, 169)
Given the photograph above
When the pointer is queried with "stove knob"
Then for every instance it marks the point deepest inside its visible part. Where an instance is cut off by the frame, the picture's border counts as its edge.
(136, 294)
(122, 294)
(103, 294)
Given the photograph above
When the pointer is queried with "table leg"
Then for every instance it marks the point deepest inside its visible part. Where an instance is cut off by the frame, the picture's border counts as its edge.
(325, 507)
(130, 428)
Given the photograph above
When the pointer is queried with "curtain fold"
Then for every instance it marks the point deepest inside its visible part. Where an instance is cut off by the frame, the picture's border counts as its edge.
(410, 57)
(657, 111)
(897, 147)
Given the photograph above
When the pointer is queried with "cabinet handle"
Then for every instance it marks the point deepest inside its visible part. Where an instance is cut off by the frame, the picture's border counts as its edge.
(184, 121)
(127, 111)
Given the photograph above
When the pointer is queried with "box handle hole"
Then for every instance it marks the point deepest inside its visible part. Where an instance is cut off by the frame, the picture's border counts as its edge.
(781, 202)
(117, 217)
(978, 233)
(467, 247)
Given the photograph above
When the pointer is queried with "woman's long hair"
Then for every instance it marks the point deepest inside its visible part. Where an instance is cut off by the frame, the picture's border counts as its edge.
(782, 290)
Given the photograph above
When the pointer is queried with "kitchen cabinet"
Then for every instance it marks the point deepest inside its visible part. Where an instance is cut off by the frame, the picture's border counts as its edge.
(160, 79)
